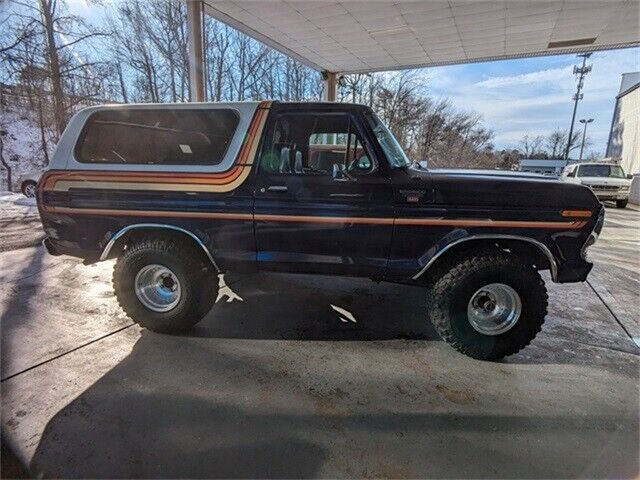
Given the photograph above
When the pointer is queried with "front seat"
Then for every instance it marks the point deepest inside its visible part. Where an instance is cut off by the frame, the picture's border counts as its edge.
(285, 164)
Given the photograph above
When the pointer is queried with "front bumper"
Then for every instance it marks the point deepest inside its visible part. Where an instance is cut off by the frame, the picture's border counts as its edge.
(578, 271)
(611, 195)
(569, 273)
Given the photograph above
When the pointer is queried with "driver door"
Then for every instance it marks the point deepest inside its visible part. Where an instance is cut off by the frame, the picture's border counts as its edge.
(323, 202)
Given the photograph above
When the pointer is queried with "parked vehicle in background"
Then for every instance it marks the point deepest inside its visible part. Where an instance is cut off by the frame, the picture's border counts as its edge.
(607, 180)
(179, 193)
(28, 182)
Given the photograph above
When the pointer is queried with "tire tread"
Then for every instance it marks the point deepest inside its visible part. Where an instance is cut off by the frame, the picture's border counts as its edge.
(442, 288)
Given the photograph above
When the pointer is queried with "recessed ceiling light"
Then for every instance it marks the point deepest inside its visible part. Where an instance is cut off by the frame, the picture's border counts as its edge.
(390, 30)
(571, 43)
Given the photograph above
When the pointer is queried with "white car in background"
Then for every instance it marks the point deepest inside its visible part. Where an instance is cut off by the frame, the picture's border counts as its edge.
(607, 180)
(27, 183)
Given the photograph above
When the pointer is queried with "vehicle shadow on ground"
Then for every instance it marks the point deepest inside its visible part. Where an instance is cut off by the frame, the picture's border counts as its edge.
(304, 307)
(21, 301)
(221, 402)
(270, 306)
(184, 407)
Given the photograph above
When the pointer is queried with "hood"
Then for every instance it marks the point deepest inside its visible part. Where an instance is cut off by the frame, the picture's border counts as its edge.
(492, 173)
(475, 188)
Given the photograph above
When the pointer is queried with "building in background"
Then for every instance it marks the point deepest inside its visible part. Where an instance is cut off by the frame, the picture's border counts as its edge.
(552, 167)
(624, 138)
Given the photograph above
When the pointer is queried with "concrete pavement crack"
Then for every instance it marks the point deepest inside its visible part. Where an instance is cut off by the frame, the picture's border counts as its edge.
(613, 314)
(67, 352)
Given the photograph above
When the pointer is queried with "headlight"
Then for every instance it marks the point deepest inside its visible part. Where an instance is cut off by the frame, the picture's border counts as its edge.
(624, 188)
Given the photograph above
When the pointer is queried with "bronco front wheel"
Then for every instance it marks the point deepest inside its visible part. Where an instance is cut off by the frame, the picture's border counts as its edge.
(164, 285)
(489, 306)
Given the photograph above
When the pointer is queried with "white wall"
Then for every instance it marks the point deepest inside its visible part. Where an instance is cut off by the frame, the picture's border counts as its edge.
(624, 143)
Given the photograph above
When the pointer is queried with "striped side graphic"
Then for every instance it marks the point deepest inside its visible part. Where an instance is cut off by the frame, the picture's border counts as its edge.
(169, 181)
(435, 222)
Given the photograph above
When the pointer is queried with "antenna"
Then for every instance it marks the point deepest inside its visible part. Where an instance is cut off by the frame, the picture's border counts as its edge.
(581, 72)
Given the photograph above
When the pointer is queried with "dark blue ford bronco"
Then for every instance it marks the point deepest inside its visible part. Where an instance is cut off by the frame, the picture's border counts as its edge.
(181, 192)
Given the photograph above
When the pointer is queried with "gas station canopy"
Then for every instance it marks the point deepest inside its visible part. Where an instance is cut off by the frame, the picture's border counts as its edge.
(365, 36)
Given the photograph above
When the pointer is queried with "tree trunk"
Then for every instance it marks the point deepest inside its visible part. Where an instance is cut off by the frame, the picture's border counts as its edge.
(47, 9)
(43, 137)
(123, 87)
(5, 164)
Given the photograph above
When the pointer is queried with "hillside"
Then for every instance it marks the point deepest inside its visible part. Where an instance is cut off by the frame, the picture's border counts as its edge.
(22, 142)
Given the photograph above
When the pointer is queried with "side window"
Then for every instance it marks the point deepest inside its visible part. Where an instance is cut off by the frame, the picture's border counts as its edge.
(157, 136)
(315, 144)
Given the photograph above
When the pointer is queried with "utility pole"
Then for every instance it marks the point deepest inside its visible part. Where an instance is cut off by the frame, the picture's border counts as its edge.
(584, 133)
(581, 72)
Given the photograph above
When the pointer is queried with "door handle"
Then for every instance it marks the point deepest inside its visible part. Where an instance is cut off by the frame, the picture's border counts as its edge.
(347, 195)
(277, 188)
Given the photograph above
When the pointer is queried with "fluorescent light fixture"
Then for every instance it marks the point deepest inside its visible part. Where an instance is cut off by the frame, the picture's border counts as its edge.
(571, 43)
(390, 30)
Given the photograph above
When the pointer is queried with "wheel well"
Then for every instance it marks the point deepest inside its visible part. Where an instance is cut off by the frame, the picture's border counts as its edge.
(530, 252)
(131, 234)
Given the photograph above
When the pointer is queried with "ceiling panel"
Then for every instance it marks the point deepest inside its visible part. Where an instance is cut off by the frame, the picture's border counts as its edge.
(356, 36)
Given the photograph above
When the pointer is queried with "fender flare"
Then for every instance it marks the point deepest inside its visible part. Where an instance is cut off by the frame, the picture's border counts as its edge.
(541, 246)
(136, 226)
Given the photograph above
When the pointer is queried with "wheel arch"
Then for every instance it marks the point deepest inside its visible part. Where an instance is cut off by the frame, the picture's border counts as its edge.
(118, 240)
(529, 247)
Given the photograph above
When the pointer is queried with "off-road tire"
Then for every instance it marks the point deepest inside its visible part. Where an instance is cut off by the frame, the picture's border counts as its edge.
(621, 203)
(450, 295)
(197, 280)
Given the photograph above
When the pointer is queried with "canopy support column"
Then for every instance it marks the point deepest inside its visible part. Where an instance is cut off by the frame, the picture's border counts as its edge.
(194, 34)
(330, 86)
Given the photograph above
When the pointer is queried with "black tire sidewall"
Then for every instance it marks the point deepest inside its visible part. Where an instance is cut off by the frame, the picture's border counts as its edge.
(452, 292)
(195, 299)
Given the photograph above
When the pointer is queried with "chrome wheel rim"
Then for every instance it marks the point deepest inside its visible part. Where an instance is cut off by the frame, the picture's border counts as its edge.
(157, 288)
(494, 309)
(30, 190)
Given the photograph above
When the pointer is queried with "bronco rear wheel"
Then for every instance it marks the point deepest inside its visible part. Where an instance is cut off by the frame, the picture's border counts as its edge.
(488, 306)
(164, 285)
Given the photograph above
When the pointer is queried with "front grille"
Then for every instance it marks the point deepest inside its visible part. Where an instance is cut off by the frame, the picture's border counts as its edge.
(605, 187)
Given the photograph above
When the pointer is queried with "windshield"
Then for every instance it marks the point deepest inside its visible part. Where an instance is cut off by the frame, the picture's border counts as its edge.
(388, 142)
(601, 171)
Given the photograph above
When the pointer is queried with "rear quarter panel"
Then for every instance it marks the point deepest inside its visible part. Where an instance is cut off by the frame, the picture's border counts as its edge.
(83, 205)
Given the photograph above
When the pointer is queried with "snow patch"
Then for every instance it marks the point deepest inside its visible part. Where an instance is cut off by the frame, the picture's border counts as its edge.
(11, 198)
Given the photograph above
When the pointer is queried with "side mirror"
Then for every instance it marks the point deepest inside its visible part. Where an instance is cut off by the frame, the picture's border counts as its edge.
(363, 164)
(629, 176)
(424, 164)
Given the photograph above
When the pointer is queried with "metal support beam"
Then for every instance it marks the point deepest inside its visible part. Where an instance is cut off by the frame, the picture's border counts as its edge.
(196, 69)
(330, 86)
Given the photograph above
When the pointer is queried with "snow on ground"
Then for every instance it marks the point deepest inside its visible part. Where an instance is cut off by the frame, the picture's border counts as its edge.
(18, 199)
(20, 225)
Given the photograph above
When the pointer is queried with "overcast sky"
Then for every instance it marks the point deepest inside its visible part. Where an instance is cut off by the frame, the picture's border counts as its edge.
(516, 97)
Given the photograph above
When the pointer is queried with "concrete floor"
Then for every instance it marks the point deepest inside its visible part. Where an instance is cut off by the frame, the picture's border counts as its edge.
(275, 382)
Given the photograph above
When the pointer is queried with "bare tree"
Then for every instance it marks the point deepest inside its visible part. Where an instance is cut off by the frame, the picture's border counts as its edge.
(532, 147)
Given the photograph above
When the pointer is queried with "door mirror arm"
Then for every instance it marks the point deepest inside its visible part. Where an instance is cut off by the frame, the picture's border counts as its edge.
(340, 174)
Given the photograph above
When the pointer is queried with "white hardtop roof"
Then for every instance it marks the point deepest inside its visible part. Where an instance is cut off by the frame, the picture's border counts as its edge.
(365, 36)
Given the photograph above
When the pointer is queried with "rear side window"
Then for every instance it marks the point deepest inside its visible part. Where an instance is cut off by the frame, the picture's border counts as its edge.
(157, 137)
